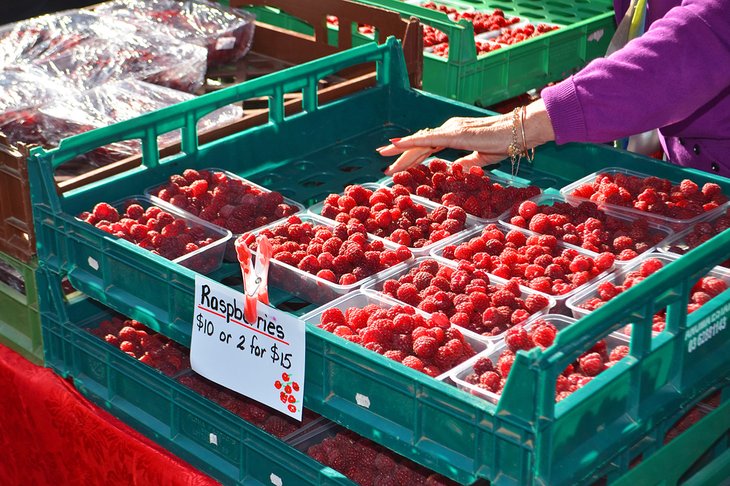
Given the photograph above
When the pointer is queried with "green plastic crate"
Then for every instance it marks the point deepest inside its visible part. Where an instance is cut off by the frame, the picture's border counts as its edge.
(587, 27)
(526, 438)
(20, 323)
(206, 435)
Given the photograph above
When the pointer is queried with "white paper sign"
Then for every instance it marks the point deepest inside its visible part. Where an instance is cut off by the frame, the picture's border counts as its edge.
(262, 360)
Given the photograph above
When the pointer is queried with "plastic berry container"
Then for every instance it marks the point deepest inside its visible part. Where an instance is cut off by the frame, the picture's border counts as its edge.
(230, 253)
(458, 375)
(363, 297)
(576, 302)
(675, 223)
(203, 260)
(548, 199)
(560, 300)
(476, 220)
(306, 285)
(376, 284)
(470, 223)
(680, 244)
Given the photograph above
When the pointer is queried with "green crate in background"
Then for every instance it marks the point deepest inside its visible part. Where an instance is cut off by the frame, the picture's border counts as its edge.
(526, 438)
(587, 27)
(20, 323)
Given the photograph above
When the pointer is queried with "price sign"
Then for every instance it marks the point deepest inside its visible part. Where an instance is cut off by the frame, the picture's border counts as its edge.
(263, 360)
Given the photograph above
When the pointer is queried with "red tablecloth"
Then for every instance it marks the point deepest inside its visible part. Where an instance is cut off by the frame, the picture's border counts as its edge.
(51, 435)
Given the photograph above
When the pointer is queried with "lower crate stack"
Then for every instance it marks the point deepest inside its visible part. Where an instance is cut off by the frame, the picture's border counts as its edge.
(20, 324)
(462, 368)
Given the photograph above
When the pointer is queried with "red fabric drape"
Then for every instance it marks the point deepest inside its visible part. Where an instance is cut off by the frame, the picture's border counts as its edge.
(51, 435)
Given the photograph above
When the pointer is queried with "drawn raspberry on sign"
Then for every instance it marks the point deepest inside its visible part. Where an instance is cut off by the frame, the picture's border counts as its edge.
(277, 385)
(292, 408)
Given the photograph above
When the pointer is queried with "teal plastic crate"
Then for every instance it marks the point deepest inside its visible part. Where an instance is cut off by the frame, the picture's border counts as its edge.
(206, 435)
(526, 438)
(586, 29)
(20, 322)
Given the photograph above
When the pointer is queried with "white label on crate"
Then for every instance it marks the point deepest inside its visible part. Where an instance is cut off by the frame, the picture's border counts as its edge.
(263, 360)
(225, 43)
(362, 400)
(275, 480)
(93, 263)
(213, 439)
(707, 328)
(596, 36)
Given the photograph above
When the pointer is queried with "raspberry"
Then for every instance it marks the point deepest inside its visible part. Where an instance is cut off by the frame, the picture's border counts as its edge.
(333, 315)
(482, 365)
(413, 362)
(536, 302)
(604, 261)
(543, 334)
(104, 211)
(650, 266)
(591, 364)
(408, 293)
(688, 188)
(618, 353)
(712, 286)
(425, 347)
(517, 338)
(489, 380)
(327, 275)
(504, 363)
(527, 209)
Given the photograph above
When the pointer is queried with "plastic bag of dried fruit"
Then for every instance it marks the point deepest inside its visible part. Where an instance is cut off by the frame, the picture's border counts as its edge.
(226, 33)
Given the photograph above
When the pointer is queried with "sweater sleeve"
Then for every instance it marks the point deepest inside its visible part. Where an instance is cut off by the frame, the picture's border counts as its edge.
(677, 66)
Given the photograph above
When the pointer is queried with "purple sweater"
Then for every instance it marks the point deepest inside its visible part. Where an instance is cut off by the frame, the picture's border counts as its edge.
(675, 77)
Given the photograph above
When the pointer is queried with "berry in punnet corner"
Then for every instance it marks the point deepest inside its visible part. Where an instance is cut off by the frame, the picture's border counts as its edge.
(426, 344)
(342, 254)
(263, 417)
(367, 463)
(653, 195)
(466, 296)
(394, 215)
(587, 226)
(513, 36)
(702, 292)
(153, 229)
(143, 344)
(224, 201)
(471, 190)
(535, 261)
(492, 377)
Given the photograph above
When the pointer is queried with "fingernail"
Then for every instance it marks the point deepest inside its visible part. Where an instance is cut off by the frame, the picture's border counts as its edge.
(395, 140)
(379, 149)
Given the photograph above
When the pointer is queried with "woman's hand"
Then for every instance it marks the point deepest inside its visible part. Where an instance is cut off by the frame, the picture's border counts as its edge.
(488, 138)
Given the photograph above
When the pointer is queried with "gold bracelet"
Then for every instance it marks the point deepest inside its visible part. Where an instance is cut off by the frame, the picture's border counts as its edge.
(528, 153)
(514, 151)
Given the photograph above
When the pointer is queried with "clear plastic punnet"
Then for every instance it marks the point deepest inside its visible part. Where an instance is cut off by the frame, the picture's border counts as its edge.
(206, 258)
(377, 284)
(308, 286)
(669, 219)
(459, 375)
(363, 297)
(656, 236)
(154, 193)
(430, 207)
(580, 302)
(226, 33)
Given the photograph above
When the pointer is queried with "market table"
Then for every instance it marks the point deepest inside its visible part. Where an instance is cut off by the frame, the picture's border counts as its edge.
(50, 434)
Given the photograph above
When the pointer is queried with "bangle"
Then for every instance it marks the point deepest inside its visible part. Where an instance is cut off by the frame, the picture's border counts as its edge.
(513, 150)
(528, 153)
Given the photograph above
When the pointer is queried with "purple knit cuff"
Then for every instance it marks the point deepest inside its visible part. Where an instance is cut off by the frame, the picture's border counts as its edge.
(565, 113)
